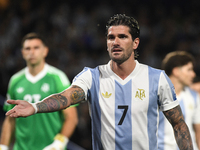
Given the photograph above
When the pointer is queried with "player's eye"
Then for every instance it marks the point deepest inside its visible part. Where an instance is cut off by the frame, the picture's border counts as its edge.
(36, 47)
(27, 48)
(110, 37)
(122, 36)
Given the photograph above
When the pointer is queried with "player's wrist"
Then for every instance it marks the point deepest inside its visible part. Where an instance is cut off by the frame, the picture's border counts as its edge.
(60, 141)
(35, 107)
(60, 138)
(3, 147)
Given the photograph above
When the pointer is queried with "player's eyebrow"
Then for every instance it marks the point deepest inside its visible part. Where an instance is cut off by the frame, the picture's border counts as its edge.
(110, 36)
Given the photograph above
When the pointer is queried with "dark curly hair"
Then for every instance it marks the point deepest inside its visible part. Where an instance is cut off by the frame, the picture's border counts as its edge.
(122, 19)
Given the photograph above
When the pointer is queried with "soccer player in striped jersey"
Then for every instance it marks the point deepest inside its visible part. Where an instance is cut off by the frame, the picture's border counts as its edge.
(178, 66)
(33, 83)
(124, 95)
(196, 84)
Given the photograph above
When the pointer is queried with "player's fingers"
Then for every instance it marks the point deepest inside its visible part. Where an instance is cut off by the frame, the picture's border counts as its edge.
(10, 112)
(12, 101)
(14, 115)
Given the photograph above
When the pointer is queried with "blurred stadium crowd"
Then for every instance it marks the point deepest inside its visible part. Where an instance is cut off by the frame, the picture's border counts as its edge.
(75, 31)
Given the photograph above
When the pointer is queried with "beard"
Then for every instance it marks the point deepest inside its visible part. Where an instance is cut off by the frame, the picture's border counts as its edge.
(122, 58)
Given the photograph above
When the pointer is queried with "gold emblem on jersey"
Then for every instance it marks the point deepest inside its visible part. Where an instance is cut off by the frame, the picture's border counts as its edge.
(190, 106)
(106, 95)
(140, 93)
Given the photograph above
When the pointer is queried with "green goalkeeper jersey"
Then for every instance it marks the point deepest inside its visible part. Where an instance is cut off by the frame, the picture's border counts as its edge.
(36, 131)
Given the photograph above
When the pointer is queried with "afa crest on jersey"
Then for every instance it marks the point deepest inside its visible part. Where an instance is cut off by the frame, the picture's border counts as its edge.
(140, 93)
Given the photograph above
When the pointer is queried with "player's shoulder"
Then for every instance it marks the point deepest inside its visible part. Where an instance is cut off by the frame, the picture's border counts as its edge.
(193, 92)
(53, 70)
(57, 74)
(87, 73)
(152, 70)
(18, 75)
(89, 69)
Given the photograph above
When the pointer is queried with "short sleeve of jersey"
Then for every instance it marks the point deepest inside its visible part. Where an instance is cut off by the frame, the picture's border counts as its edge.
(166, 93)
(83, 80)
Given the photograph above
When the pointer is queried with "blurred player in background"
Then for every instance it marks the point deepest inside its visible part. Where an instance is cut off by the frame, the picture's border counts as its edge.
(38, 80)
(178, 66)
(124, 96)
(196, 84)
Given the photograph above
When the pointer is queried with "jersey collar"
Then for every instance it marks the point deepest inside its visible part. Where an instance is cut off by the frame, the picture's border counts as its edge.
(120, 80)
(39, 76)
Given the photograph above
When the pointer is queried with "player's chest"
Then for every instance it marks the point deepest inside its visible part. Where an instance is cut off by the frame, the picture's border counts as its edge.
(135, 94)
(34, 92)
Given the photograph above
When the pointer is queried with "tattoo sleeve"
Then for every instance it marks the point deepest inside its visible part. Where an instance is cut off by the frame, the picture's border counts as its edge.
(77, 95)
(61, 100)
(181, 131)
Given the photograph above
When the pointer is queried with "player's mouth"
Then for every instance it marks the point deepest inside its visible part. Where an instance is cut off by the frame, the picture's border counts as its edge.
(116, 50)
(31, 59)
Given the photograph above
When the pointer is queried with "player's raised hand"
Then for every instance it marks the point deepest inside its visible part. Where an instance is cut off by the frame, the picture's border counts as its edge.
(22, 109)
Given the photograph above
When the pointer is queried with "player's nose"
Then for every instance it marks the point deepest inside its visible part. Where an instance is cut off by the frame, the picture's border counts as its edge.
(116, 41)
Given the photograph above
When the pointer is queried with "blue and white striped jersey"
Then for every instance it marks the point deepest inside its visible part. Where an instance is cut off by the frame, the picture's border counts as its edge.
(125, 113)
(189, 103)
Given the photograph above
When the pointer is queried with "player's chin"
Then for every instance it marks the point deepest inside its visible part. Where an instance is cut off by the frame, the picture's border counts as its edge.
(117, 60)
(33, 62)
(187, 83)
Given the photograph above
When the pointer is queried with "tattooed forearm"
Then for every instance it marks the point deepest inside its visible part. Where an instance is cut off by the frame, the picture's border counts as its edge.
(53, 103)
(181, 131)
(77, 95)
(62, 100)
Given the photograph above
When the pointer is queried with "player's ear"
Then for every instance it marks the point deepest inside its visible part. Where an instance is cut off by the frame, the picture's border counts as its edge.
(46, 51)
(176, 71)
(136, 42)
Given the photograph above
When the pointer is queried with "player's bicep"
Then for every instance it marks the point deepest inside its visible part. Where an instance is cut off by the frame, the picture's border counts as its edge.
(174, 116)
(75, 94)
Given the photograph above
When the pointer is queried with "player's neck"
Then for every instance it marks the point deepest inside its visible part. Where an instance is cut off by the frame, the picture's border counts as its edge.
(35, 69)
(123, 70)
(177, 85)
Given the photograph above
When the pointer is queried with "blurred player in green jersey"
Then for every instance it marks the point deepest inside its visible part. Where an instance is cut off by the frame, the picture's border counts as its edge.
(33, 83)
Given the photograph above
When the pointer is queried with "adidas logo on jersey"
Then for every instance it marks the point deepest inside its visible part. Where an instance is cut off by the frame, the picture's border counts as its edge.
(106, 95)
(20, 90)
